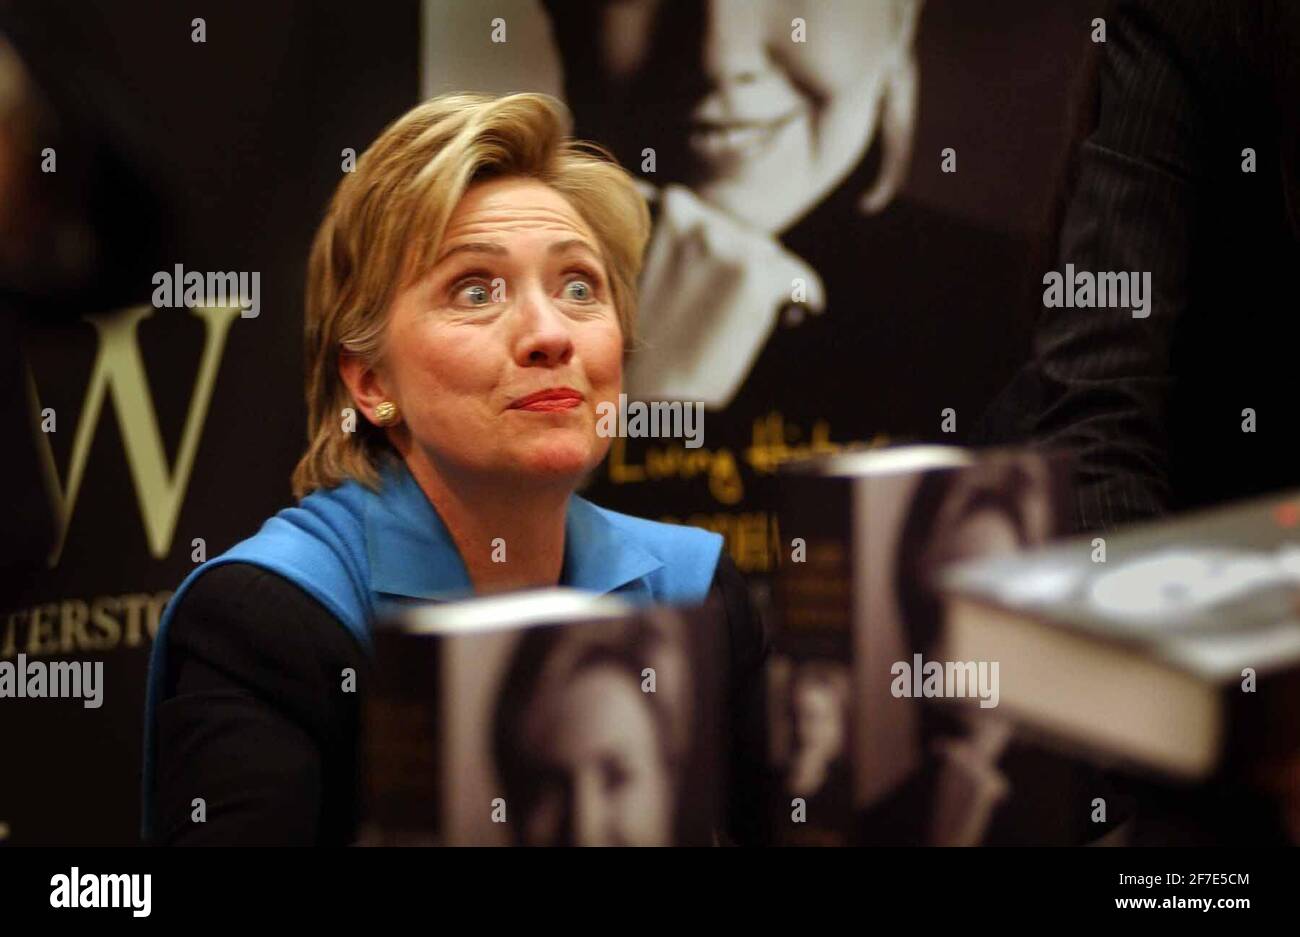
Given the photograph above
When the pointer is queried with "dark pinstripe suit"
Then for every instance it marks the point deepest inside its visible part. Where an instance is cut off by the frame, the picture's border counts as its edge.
(1154, 407)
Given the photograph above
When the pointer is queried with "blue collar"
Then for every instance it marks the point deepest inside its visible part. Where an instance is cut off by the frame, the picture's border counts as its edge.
(411, 553)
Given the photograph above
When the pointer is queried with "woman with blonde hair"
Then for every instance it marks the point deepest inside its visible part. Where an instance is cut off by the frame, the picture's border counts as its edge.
(470, 300)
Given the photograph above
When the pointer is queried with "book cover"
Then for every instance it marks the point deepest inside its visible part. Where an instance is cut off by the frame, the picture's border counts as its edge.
(543, 718)
(861, 754)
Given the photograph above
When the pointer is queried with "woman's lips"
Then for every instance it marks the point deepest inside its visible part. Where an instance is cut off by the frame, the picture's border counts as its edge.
(712, 142)
(554, 398)
(565, 403)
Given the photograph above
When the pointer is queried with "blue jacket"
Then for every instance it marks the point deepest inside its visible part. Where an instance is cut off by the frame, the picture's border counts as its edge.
(355, 551)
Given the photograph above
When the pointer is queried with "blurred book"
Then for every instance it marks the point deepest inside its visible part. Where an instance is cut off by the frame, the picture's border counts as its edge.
(1172, 646)
(856, 600)
(550, 717)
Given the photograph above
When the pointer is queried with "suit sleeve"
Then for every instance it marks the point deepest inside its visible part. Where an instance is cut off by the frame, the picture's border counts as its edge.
(254, 722)
(1105, 374)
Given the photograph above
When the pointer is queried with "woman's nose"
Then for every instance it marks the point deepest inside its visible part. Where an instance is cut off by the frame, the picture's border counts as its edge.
(543, 335)
(731, 44)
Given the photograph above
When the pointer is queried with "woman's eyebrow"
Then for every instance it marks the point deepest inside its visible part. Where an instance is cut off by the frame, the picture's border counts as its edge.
(492, 247)
(474, 247)
(560, 247)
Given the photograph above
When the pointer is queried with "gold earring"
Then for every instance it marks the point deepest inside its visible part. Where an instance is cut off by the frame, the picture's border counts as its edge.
(386, 413)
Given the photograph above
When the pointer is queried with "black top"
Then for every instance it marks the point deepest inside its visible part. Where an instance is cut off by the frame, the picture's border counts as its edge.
(251, 720)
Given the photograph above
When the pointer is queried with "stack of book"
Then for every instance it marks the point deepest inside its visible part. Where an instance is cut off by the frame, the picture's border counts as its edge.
(1172, 647)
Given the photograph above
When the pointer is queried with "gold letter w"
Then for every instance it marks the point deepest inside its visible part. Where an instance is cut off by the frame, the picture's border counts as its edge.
(119, 367)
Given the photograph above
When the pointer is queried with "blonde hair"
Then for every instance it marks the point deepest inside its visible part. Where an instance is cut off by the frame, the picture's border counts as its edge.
(385, 224)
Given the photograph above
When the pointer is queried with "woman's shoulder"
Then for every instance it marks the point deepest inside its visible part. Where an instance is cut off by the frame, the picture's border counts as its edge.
(241, 591)
(238, 597)
(248, 620)
(315, 548)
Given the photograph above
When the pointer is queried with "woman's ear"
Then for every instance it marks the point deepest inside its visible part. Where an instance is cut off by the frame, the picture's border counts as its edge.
(367, 388)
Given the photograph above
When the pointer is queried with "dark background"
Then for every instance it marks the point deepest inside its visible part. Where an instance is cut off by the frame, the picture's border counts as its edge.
(245, 133)
(237, 143)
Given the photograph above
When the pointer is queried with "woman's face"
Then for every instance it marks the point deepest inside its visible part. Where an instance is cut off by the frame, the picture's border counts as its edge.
(601, 776)
(499, 357)
(736, 107)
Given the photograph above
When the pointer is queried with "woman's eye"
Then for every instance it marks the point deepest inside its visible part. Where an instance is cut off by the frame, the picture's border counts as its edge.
(476, 294)
(580, 290)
